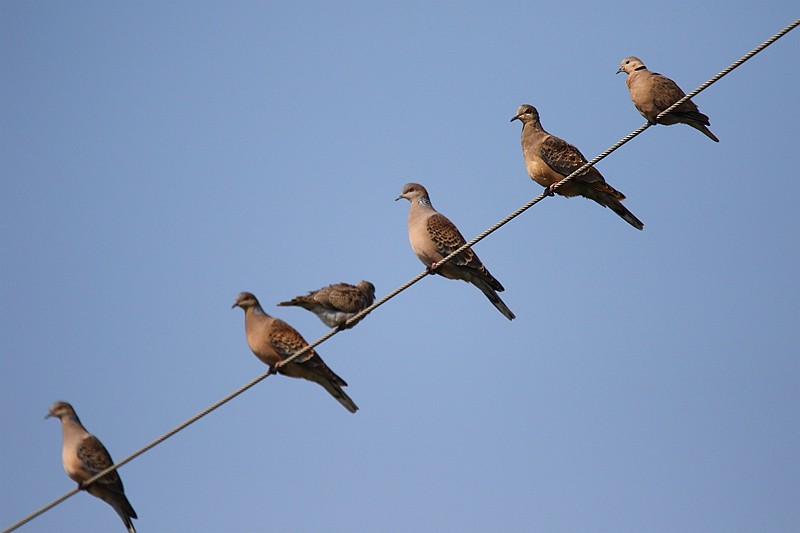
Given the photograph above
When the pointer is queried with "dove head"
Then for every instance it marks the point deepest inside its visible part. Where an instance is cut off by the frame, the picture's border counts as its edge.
(61, 409)
(245, 300)
(368, 288)
(526, 113)
(414, 191)
(629, 64)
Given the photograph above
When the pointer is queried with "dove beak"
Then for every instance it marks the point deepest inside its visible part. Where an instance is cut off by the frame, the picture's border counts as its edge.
(515, 117)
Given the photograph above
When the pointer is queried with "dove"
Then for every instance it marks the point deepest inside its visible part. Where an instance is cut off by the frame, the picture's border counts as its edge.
(272, 340)
(433, 237)
(653, 93)
(337, 303)
(550, 159)
(84, 456)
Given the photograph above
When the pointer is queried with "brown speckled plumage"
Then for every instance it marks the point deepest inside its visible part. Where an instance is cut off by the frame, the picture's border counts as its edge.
(433, 237)
(272, 340)
(84, 456)
(337, 303)
(549, 159)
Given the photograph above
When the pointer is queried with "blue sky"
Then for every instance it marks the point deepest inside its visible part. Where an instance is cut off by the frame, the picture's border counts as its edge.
(160, 157)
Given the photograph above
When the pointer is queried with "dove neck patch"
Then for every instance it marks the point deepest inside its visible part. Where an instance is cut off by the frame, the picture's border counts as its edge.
(424, 201)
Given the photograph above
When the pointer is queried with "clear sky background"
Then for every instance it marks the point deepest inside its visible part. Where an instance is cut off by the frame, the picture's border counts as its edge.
(160, 157)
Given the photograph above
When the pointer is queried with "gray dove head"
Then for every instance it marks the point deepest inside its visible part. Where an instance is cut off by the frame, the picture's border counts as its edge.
(526, 113)
(629, 64)
(412, 191)
(60, 409)
(245, 300)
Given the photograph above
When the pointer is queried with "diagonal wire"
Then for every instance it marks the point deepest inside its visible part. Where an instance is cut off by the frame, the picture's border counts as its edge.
(407, 284)
(142, 450)
(579, 171)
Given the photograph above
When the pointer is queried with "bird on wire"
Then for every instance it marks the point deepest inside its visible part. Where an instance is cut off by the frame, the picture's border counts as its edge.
(550, 159)
(272, 340)
(433, 237)
(84, 456)
(652, 93)
(337, 303)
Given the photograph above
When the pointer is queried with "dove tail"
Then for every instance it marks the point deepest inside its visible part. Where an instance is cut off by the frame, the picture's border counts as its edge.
(115, 497)
(695, 119)
(615, 205)
(704, 130)
(493, 297)
(333, 384)
(336, 391)
(626, 215)
(125, 511)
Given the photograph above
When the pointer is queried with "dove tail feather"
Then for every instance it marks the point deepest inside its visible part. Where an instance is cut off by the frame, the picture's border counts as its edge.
(292, 302)
(695, 116)
(626, 215)
(695, 119)
(493, 297)
(125, 511)
(704, 130)
(343, 398)
(615, 205)
(335, 390)
(114, 497)
(129, 525)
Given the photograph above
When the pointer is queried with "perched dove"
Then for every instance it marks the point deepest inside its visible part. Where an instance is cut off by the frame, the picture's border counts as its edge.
(272, 340)
(550, 159)
(336, 304)
(84, 456)
(652, 93)
(433, 237)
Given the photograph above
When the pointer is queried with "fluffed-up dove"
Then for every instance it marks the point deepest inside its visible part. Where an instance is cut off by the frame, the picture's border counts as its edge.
(433, 237)
(550, 159)
(272, 340)
(84, 456)
(336, 304)
(652, 93)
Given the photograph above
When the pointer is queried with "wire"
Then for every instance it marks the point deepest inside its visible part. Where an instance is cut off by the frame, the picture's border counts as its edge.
(142, 450)
(407, 284)
(578, 172)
